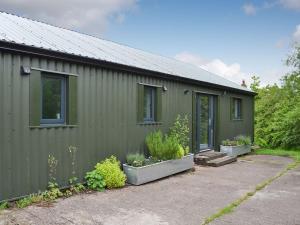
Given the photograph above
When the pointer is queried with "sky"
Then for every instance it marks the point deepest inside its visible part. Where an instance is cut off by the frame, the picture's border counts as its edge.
(235, 39)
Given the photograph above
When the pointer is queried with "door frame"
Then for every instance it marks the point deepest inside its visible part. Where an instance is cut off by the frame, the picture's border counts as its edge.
(216, 101)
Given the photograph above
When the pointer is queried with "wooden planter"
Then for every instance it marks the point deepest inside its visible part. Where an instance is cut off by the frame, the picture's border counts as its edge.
(235, 150)
(145, 174)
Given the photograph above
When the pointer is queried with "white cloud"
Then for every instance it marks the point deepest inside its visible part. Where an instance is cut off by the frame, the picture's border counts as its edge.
(249, 9)
(290, 4)
(229, 71)
(296, 34)
(90, 16)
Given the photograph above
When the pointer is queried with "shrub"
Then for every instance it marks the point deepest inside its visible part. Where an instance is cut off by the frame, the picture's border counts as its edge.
(154, 142)
(95, 181)
(164, 148)
(136, 159)
(171, 148)
(180, 153)
(111, 172)
(243, 140)
(180, 130)
(186, 150)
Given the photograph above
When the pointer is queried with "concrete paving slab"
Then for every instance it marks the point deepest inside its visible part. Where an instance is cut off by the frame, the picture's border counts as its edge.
(186, 198)
(277, 204)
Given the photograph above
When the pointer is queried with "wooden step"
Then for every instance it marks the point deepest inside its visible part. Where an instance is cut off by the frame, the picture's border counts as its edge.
(222, 161)
(203, 157)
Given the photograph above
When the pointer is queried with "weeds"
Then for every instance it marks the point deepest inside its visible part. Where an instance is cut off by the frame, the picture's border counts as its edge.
(4, 205)
(231, 207)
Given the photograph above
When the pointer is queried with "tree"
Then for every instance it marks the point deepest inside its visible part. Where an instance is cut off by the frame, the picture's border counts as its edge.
(254, 86)
(277, 109)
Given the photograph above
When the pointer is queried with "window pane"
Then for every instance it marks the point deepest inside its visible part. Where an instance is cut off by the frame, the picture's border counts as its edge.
(149, 95)
(52, 98)
(237, 108)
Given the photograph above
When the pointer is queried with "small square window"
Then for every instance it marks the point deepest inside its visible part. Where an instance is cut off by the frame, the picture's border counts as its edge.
(237, 109)
(149, 103)
(53, 100)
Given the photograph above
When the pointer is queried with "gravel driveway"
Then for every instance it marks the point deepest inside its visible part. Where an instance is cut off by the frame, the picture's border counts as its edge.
(187, 198)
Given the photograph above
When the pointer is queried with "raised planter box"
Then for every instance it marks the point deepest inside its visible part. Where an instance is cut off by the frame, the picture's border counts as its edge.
(235, 150)
(145, 174)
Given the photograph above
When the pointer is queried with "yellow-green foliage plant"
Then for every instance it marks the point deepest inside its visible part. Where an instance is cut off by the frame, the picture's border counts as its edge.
(111, 172)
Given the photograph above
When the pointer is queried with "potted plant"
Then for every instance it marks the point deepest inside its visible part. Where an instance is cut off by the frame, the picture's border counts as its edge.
(240, 145)
(169, 154)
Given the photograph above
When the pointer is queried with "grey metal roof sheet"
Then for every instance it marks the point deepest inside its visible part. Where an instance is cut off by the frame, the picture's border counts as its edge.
(28, 32)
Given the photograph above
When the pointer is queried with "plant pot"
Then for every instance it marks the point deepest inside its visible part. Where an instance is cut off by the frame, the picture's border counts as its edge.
(145, 174)
(235, 150)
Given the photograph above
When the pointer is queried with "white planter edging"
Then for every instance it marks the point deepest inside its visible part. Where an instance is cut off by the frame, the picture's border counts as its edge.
(235, 150)
(144, 174)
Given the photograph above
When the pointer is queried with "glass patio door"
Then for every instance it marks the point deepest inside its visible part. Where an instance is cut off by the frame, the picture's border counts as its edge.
(205, 113)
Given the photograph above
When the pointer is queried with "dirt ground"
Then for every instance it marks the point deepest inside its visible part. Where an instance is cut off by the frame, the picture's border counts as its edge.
(186, 198)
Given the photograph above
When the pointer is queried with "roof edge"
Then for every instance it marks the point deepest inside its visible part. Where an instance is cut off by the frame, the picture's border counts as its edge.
(31, 50)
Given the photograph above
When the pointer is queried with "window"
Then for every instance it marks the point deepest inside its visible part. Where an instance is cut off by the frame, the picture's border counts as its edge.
(236, 108)
(53, 99)
(149, 103)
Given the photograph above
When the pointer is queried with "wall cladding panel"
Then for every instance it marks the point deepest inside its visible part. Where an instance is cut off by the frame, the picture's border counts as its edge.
(107, 122)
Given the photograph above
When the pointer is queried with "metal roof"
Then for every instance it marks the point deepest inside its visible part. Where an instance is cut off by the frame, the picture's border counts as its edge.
(28, 32)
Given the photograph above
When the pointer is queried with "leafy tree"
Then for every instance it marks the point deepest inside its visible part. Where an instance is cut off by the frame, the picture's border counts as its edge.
(254, 86)
(277, 109)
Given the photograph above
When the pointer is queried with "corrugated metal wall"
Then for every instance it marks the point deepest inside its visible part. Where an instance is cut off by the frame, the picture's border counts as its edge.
(107, 122)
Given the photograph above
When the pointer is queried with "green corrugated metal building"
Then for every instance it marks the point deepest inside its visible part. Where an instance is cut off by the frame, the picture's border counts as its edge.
(59, 88)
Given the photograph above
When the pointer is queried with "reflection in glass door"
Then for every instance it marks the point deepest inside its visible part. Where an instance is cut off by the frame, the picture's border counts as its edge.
(205, 114)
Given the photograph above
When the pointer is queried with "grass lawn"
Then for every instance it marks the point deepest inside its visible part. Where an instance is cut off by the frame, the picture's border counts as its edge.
(293, 153)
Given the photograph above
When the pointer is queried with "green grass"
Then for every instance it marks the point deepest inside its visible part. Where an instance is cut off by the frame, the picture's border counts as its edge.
(295, 154)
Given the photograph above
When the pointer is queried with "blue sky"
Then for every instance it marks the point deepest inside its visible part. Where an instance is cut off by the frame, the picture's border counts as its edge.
(213, 30)
(235, 39)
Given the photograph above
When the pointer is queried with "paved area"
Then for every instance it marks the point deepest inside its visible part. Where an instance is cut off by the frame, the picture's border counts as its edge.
(277, 204)
(186, 198)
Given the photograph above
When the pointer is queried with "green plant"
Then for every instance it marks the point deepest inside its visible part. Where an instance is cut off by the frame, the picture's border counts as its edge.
(180, 130)
(238, 140)
(75, 187)
(242, 140)
(135, 159)
(95, 181)
(277, 108)
(36, 198)
(24, 202)
(154, 142)
(171, 148)
(164, 148)
(180, 152)
(228, 142)
(186, 150)
(111, 172)
(53, 191)
(72, 150)
(4, 205)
